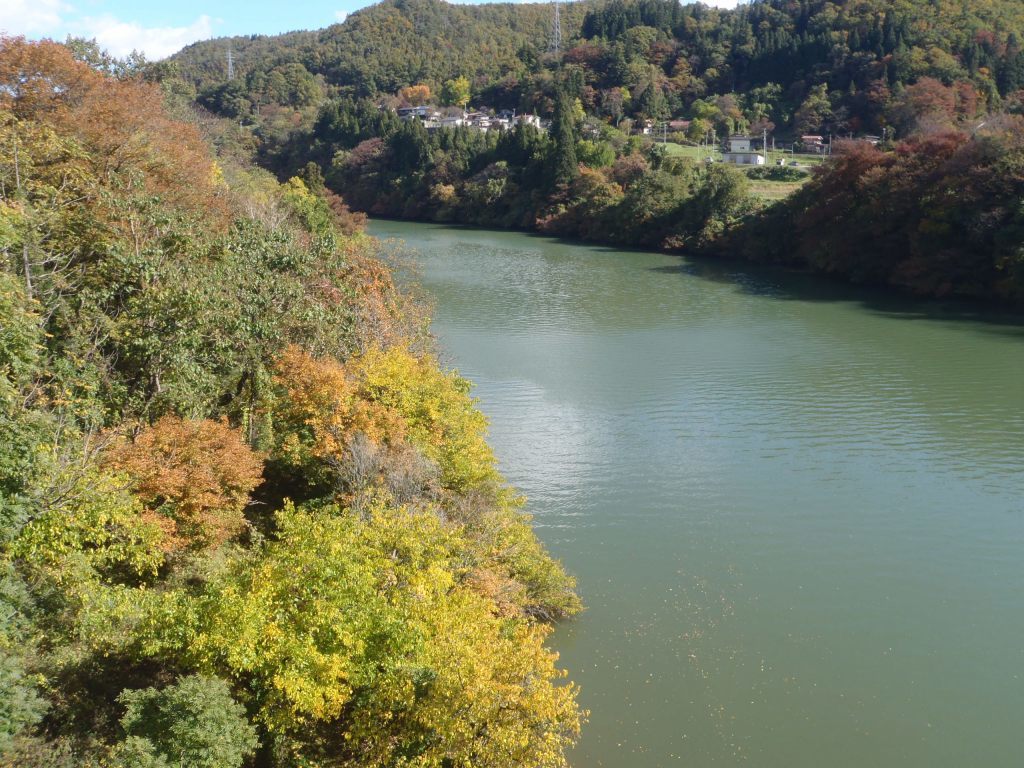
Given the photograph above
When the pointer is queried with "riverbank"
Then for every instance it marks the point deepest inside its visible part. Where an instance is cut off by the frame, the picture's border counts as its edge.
(935, 215)
(790, 503)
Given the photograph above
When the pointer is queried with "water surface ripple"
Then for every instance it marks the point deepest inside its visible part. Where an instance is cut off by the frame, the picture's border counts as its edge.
(796, 510)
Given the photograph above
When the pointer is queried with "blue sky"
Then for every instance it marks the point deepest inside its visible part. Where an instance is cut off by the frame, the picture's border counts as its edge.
(159, 29)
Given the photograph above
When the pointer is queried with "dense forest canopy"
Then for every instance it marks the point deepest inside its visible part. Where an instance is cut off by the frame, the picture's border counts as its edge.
(941, 214)
(245, 517)
(808, 65)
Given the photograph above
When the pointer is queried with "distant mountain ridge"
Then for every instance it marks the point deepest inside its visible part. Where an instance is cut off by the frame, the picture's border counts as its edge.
(794, 43)
(394, 43)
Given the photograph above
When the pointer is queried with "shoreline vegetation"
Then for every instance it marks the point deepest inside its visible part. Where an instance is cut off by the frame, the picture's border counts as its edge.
(245, 517)
(918, 107)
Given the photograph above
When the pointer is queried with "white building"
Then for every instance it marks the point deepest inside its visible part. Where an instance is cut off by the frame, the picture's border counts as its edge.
(742, 152)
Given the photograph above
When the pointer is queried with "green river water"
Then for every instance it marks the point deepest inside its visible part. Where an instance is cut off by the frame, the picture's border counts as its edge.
(795, 509)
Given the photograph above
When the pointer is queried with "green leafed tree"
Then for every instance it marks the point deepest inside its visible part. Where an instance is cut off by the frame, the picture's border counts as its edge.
(564, 166)
(193, 723)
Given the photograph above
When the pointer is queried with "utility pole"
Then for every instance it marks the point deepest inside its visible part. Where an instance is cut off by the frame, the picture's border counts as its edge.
(764, 145)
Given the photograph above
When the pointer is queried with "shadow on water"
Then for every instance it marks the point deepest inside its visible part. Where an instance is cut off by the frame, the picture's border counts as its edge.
(778, 282)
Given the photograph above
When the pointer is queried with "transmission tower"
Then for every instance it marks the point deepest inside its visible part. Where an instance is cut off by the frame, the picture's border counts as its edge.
(231, 64)
(556, 30)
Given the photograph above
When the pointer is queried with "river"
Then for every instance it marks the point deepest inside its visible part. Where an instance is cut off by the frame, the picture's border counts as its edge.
(795, 509)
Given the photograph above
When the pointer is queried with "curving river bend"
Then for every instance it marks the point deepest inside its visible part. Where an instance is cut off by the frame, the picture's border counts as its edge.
(795, 509)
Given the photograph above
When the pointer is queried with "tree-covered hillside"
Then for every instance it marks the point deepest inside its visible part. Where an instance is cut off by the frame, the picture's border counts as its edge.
(246, 519)
(386, 46)
(807, 65)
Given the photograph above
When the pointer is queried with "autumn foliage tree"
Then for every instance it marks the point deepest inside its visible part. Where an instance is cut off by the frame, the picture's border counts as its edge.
(389, 425)
(390, 397)
(366, 649)
(939, 215)
(194, 476)
(120, 124)
(456, 92)
(415, 95)
(929, 105)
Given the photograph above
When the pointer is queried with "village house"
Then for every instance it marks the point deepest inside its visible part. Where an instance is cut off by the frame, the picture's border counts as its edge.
(813, 143)
(741, 151)
(424, 112)
(452, 117)
(479, 120)
(452, 121)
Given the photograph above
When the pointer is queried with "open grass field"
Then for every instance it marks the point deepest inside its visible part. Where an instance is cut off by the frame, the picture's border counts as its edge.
(773, 191)
(701, 153)
(770, 191)
(692, 152)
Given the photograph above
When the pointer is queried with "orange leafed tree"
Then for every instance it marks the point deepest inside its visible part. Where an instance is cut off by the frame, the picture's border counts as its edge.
(384, 316)
(41, 79)
(391, 397)
(194, 476)
(324, 405)
(122, 123)
(415, 95)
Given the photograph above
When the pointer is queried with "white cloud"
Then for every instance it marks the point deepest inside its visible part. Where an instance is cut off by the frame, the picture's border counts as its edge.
(122, 37)
(340, 16)
(31, 17)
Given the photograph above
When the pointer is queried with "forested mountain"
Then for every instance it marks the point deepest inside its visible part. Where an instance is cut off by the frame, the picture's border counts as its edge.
(386, 46)
(899, 75)
(245, 517)
(807, 65)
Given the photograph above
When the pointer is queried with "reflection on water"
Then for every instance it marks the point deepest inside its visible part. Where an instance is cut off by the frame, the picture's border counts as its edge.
(796, 510)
